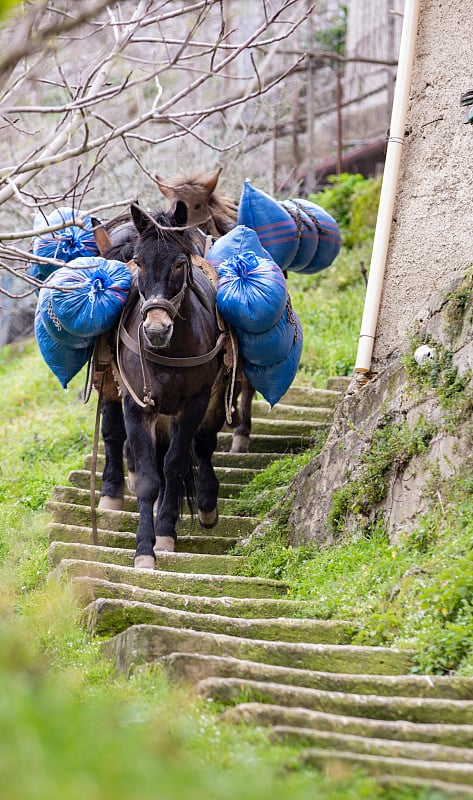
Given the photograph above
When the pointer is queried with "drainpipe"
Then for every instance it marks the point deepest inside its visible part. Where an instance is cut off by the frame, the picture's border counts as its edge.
(388, 192)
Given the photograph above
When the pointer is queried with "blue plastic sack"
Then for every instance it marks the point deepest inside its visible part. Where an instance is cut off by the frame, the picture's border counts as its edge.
(64, 362)
(237, 241)
(271, 346)
(307, 234)
(330, 239)
(274, 381)
(275, 227)
(54, 326)
(251, 292)
(65, 244)
(100, 289)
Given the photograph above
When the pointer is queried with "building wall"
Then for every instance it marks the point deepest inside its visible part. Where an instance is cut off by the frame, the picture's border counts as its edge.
(431, 234)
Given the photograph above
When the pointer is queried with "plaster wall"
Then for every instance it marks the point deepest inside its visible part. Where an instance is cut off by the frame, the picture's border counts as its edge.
(431, 234)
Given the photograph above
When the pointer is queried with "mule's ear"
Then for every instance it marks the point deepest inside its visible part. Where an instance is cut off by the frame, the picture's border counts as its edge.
(166, 190)
(102, 239)
(180, 214)
(140, 220)
(211, 183)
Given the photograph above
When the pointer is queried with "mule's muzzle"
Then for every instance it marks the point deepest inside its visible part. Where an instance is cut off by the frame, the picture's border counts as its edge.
(158, 320)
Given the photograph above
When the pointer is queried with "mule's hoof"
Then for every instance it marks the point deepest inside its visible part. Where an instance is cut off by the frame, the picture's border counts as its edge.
(131, 482)
(164, 544)
(208, 519)
(144, 562)
(107, 503)
(240, 444)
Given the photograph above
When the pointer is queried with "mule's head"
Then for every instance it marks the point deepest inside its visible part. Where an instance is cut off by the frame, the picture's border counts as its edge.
(162, 255)
(190, 195)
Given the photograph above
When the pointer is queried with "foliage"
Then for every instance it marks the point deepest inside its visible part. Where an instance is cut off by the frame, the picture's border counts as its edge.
(333, 38)
(353, 202)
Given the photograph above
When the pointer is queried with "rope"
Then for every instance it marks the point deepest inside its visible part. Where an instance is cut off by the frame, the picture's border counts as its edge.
(93, 467)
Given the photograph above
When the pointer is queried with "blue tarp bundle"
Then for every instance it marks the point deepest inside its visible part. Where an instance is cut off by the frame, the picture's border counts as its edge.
(65, 244)
(252, 296)
(300, 235)
(68, 322)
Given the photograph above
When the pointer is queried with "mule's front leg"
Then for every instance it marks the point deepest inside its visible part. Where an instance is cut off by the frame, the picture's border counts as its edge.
(178, 476)
(140, 433)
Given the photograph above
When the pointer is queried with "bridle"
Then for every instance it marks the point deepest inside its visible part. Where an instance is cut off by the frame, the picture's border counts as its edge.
(147, 354)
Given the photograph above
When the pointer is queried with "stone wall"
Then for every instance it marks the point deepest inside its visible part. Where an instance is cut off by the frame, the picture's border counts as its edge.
(431, 235)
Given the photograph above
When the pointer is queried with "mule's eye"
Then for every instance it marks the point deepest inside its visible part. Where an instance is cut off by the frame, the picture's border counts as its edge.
(197, 206)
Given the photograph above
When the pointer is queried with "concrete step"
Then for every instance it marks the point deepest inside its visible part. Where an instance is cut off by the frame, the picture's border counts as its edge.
(289, 427)
(259, 713)
(339, 383)
(106, 617)
(176, 582)
(86, 589)
(284, 412)
(379, 765)
(168, 562)
(194, 667)
(437, 789)
(118, 521)
(201, 543)
(370, 746)
(76, 496)
(233, 474)
(80, 478)
(428, 710)
(270, 442)
(308, 396)
(145, 643)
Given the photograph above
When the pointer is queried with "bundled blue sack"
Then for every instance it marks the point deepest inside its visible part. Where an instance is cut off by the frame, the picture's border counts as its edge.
(251, 292)
(307, 234)
(271, 346)
(275, 227)
(98, 291)
(330, 239)
(274, 381)
(64, 362)
(237, 241)
(65, 244)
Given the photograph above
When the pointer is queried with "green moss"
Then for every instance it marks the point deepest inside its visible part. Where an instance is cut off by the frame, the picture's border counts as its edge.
(391, 448)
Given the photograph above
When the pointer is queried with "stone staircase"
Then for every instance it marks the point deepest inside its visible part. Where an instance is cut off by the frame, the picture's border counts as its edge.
(236, 637)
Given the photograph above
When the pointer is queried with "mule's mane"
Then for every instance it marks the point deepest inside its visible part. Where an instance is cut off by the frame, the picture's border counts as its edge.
(165, 229)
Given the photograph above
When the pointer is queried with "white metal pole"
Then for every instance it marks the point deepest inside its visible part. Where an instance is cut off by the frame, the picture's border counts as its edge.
(388, 188)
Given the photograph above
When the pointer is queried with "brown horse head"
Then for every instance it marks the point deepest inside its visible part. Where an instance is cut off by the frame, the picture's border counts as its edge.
(205, 208)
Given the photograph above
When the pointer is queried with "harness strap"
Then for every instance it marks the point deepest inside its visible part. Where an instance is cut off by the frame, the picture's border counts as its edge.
(170, 361)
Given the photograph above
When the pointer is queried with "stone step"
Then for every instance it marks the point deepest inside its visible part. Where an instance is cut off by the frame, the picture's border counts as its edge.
(86, 589)
(220, 586)
(400, 730)
(308, 396)
(194, 667)
(168, 562)
(339, 383)
(285, 413)
(201, 543)
(451, 712)
(80, 478)
(127, 521)
(145, 643)
(370, 746)
(289, 427)
(106, 617)
(229, 473)
(441, 789)
(270, 443)
(379, 765)
(221, 458)
(76, 496)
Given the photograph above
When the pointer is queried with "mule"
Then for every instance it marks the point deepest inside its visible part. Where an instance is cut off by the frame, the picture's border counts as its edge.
(170, 357)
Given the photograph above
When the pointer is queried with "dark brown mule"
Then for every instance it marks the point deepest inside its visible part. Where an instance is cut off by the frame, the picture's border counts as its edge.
(170, 357)
(215, 214)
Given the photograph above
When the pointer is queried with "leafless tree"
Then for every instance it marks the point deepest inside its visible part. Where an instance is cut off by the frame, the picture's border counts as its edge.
(98, 96)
